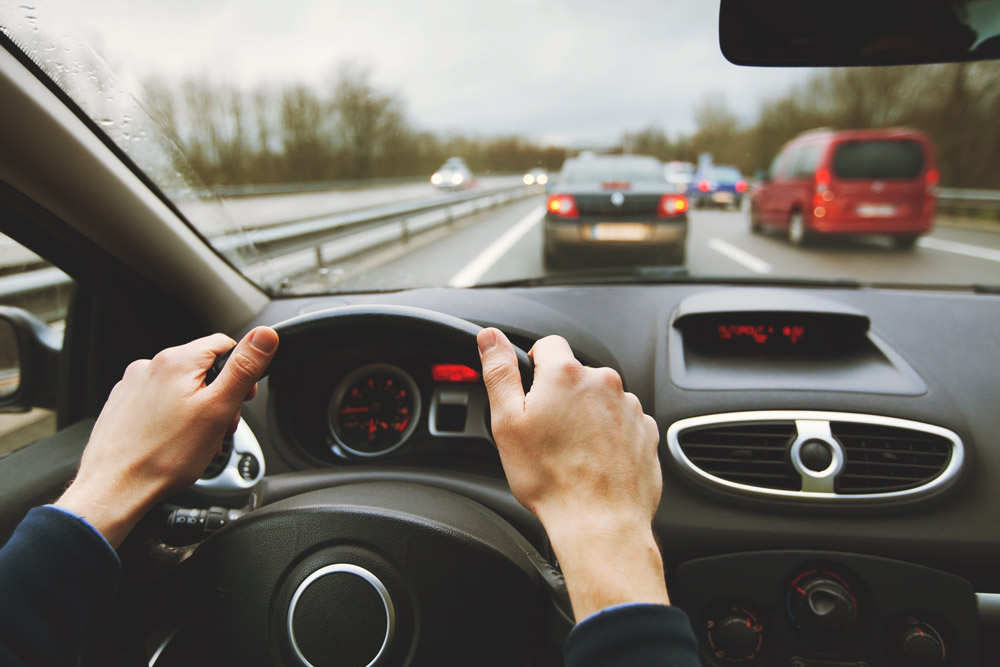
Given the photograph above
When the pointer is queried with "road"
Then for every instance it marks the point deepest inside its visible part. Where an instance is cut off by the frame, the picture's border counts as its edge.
(506, 244)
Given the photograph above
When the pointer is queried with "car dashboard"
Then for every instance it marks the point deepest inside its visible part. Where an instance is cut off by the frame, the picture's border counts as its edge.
(828, 453)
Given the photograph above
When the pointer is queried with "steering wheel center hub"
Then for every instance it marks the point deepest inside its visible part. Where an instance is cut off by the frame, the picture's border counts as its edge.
(341, 614)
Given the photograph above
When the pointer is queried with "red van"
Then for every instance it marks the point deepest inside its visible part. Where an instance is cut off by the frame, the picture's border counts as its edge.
(849, 182)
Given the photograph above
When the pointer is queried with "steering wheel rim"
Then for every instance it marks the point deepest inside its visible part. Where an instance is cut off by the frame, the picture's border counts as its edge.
(415, 323)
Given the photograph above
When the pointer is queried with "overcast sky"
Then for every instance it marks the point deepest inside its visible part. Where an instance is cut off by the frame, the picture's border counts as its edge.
(561, 71)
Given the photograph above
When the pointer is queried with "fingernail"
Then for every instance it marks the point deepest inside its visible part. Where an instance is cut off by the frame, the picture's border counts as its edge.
(264, 339)
(487, 340)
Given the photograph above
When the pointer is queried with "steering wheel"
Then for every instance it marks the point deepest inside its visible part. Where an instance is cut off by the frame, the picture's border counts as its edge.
(369, 574)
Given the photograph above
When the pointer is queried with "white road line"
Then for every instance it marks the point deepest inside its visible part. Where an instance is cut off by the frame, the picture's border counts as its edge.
(482, 262)
(959, 248)
(755, 264)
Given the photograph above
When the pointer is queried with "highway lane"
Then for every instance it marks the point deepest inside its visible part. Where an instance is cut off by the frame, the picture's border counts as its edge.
(506, 244)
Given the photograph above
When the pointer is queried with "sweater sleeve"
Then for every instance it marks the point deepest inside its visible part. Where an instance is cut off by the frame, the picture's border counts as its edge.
(632, 636)
(57, 573)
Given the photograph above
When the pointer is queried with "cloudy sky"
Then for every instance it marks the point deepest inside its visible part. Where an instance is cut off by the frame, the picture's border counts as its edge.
(559, 71)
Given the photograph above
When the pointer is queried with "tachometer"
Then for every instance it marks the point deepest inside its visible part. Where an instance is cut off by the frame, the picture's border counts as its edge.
(374, 410)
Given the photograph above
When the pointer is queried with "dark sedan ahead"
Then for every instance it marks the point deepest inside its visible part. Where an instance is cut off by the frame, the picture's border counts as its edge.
(610, 208)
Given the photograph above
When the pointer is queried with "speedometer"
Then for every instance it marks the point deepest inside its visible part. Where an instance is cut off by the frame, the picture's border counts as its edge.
(374, 410)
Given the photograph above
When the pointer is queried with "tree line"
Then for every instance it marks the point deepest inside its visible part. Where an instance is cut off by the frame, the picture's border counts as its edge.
(350, 130)
(957, 105)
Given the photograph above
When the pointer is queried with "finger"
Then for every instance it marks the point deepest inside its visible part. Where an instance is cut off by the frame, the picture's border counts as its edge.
(202, 351)
(500, 373)
(245, 365)
(250, 394)
(233, 426)
(553, 353)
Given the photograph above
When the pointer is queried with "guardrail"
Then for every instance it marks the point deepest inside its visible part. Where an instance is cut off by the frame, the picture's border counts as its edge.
(969, 203)
(287, 250)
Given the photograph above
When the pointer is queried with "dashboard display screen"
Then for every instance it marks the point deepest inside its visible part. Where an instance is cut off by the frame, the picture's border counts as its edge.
(772, 334)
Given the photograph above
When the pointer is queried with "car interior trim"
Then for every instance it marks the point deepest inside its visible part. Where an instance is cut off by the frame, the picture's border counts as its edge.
(989, 609)
(230, 479)
(942, 481)
(371, 579)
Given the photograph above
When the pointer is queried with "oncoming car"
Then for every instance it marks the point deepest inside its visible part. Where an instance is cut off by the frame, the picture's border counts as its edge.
(826, 417)
(607, 208)
(536, 177)
(453, 175)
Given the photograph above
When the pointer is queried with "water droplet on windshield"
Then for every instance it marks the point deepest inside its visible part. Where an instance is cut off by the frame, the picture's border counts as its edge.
(106, 122)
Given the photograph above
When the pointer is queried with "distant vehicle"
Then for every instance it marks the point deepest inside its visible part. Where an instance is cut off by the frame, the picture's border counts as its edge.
(615, 207)
(717, 185)
(679, 174)
(536, 177)
(454, 175)
(850, 182)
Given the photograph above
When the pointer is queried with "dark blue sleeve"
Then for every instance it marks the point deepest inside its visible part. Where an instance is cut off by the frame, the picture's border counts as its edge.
(635, 635)
(57, 574)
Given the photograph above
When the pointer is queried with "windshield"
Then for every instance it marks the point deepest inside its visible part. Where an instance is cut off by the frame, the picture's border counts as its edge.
(340, 146)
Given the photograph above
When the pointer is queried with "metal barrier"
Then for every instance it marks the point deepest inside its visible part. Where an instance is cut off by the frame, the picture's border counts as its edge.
(969, 203)
(274, 255)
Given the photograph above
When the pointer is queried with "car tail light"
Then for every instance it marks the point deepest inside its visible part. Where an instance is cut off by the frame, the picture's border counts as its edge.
(453, 373)
(933, 176)
(704, 186)
(822, 180)
(741, 186)
(671, 205)
(563, 206)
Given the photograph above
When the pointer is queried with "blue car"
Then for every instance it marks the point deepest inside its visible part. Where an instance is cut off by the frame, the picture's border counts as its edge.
(720, 186)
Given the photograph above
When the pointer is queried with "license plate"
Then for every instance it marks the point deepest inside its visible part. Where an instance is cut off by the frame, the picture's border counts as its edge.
(723, 197)
(620, 231)
(876, 210)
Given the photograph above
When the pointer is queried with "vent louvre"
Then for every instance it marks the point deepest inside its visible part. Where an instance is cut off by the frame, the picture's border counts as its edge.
(881, 459)
(752, 454)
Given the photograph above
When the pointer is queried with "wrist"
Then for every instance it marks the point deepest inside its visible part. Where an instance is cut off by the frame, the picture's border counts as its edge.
(608, 563)
(113, 512)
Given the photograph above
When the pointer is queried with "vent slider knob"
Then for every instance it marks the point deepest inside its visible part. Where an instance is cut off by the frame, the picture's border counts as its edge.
(816, 455)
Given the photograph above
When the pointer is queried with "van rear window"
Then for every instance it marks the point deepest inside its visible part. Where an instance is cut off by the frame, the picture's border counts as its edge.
(884, 159)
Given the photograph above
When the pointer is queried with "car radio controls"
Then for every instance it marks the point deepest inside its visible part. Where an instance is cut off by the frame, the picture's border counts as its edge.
(822, 606)
(920, 645)
(735, 635)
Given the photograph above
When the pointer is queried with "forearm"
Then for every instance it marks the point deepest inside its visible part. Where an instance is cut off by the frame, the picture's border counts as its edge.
(111, 510)
(607, 565)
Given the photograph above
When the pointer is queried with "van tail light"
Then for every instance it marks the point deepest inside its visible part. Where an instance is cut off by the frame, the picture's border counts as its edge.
(822, 180)
(741, 186)
(704, 186)
(671, 206)
(933, 176)
(563, 206)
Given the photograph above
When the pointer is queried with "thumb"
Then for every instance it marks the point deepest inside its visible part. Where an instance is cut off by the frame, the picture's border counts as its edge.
(500, 373)
(249, 360)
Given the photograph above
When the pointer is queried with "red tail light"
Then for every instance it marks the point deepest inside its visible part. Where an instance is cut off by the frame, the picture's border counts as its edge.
(704, 186)
(563, 206)
(822, 180)
(672, 205)
(453, 373)
(741, 186)
(933, 176)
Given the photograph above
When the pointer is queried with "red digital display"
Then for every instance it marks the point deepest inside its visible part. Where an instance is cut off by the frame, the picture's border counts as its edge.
(761, 334)
(453, 373)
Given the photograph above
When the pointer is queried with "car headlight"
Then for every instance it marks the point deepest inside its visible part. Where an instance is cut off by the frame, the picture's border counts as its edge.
(456, 179)
(542, 179)
(437, 179)
(528, 179)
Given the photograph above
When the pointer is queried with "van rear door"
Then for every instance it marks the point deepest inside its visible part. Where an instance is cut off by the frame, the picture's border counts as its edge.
(880, 178)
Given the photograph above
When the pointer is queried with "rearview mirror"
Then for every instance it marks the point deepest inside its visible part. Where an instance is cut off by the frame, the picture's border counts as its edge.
(858, 32)
(29, 352)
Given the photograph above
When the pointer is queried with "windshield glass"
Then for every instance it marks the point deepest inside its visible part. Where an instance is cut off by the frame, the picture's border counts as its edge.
(342, 146)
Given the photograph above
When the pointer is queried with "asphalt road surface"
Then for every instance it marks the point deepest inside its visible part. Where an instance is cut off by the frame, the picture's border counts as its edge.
(506, 244)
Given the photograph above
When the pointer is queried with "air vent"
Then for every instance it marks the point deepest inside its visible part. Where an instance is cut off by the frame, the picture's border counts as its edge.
(815, 456)
(881, 459)
(752, 454)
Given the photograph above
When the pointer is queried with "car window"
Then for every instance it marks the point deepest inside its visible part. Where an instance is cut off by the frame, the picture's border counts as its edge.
(726, 174)
(623, 171)
(806, 162)
(30, 283)
(890, 159)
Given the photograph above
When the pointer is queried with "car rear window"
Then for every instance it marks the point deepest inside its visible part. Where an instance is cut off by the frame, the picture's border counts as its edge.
(726, 174)
(619, 171)
(878, 159)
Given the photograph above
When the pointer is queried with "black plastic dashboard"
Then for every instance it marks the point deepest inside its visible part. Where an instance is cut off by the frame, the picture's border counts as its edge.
(938, 358)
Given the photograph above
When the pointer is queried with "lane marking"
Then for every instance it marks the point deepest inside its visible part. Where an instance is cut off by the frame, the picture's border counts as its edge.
(959, 248)
(484, 261)
(739, 256)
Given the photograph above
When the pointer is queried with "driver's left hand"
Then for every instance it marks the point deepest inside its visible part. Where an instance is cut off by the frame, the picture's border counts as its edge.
(161, 427)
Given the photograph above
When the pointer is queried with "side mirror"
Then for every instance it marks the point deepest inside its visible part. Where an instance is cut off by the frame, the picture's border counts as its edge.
(29, 353)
